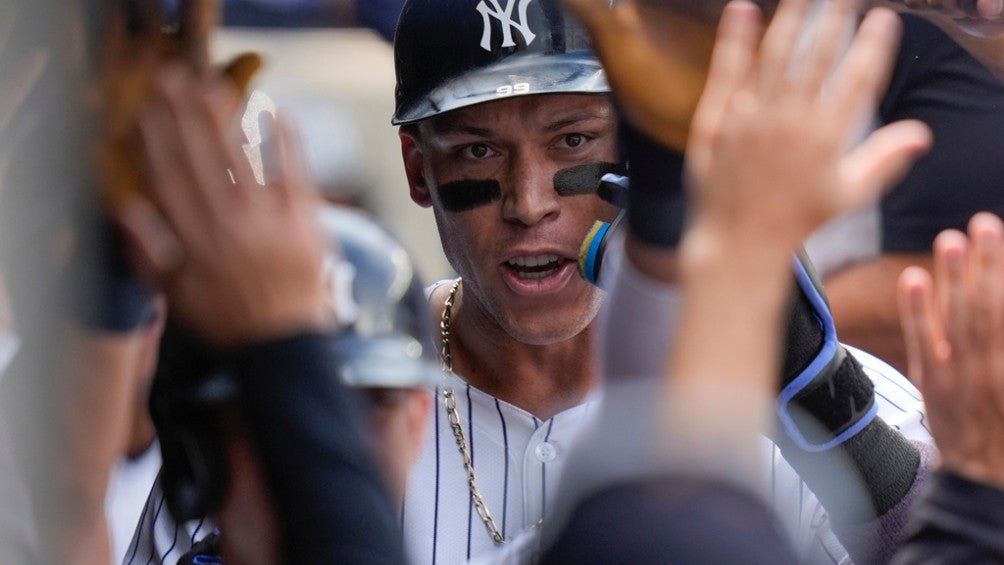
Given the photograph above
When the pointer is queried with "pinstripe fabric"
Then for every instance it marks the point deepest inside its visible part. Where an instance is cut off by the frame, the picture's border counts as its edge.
(158, 537)
(513, 475)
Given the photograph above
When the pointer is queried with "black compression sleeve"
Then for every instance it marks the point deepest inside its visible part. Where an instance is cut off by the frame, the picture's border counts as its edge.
(862, 478)
(306, 425)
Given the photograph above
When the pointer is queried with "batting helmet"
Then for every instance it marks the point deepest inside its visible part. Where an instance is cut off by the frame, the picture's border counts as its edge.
(450, 54)
(386, 338)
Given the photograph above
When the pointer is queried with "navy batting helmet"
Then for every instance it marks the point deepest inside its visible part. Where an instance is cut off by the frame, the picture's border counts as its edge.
(386, 339)
(450, 54)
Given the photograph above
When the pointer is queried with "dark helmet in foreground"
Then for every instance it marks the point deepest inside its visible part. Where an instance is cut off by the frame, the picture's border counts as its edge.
(450, 54)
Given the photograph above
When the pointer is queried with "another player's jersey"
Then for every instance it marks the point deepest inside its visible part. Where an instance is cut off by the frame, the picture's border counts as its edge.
(159, 538)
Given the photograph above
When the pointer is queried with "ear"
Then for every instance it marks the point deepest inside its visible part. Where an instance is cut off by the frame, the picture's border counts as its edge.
(414, 167)
(419, 404)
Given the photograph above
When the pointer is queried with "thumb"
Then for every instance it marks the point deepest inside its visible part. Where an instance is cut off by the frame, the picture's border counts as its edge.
(883, 159)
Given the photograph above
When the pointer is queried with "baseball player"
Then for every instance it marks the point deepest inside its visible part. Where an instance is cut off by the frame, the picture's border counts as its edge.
(503, 110)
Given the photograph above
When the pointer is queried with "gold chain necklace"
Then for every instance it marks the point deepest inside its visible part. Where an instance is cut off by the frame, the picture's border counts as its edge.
(450, 403)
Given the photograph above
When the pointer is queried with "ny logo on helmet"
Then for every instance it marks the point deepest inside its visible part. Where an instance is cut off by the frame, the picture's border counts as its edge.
(505, 18)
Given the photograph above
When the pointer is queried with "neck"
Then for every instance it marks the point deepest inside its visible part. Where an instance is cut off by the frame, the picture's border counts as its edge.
(541, 379)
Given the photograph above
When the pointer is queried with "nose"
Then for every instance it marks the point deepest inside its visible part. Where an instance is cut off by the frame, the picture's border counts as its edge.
(530, 197)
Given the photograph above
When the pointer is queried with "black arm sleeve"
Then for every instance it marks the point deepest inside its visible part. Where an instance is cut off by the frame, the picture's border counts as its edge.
(938, 82)
(959, 521)
(306, 425)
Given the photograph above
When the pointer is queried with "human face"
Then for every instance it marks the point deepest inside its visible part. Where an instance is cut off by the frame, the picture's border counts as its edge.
(517, 251)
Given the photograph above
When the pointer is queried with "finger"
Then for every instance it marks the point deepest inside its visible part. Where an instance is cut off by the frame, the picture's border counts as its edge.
(864, 73)
(170, 181)
(739, 31)
(203, 147)
(221, 105)
(882, 160)
(950, 268)
(920, 322)
(985, 235)
(153, 247)
(779, 44)
(295, 180)
(196, 20)
(834, 29)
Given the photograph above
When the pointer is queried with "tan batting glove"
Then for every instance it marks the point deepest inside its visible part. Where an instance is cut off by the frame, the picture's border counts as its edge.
(138, 45)
(657, 84)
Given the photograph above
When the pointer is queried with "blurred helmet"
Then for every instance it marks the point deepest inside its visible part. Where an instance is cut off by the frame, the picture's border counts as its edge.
(450, 54)
(385, 338)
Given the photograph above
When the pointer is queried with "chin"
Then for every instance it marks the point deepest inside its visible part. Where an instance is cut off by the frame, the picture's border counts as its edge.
(549, 328)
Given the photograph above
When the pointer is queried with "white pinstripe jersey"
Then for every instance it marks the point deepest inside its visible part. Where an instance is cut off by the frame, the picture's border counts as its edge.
(519, 459)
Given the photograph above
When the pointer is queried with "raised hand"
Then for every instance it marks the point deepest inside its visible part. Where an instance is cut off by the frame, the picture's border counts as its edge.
(768, 153)
(954, 330)
(237, 261)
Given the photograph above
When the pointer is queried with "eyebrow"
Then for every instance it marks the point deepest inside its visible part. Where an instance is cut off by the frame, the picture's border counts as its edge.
(455, 127)
(574, 119)
(451, 125)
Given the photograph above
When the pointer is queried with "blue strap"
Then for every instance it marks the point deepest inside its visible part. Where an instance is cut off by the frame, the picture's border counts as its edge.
(822, 359)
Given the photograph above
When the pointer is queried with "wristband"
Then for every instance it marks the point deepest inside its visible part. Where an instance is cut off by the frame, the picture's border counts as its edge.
(656, 201)
(113, 299)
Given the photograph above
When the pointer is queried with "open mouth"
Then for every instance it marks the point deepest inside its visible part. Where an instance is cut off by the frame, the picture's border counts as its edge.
(535, 266)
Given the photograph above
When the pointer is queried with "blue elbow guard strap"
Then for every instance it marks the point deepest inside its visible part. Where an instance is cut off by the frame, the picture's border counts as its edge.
(825, 397)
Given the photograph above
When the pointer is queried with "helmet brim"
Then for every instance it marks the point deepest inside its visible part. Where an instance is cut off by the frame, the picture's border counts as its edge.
(386, 361)
(570, 73)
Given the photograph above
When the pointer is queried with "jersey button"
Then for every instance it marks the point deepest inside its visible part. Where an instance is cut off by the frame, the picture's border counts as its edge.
(546, 452)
